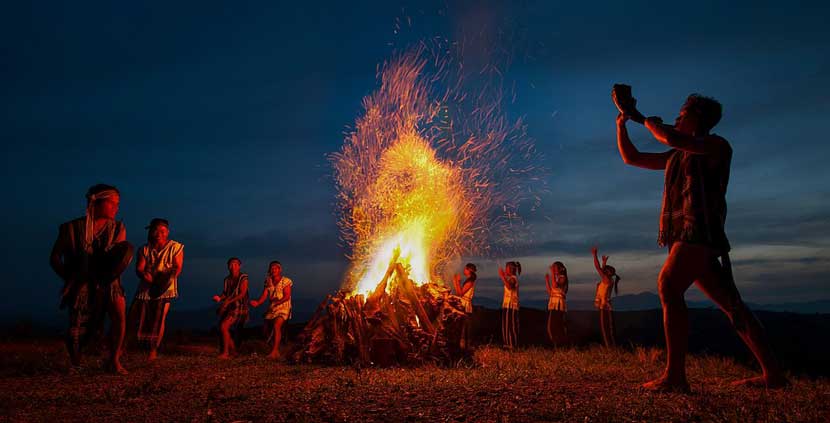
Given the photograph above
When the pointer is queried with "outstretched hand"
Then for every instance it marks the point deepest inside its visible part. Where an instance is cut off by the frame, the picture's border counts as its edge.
(501, 272)
(217, 299)
(547, 277)
(604, 260)
(594, 250)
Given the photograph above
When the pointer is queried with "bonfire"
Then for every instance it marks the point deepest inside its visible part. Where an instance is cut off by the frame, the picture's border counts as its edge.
(426, 176)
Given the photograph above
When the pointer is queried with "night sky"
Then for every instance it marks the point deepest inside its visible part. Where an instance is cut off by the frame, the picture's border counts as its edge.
(218, 116)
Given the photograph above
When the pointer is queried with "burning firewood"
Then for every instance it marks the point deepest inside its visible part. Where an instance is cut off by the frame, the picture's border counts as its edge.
(397, 323)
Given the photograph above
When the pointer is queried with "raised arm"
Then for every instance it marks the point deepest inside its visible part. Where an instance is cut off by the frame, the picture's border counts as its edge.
(632, 156)
(548, 284)
(596, 261)
(456, 283)
(666, 134)
(503, 276)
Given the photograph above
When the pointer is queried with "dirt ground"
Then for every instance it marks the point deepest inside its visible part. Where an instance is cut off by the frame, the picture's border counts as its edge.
(531, 385)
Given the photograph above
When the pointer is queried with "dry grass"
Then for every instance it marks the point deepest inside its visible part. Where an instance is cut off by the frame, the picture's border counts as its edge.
(527, 385)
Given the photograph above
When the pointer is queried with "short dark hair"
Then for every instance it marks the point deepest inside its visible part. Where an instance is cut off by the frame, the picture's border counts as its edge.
(707, 109)
(273, 263)
(236, 259)
(470, 266)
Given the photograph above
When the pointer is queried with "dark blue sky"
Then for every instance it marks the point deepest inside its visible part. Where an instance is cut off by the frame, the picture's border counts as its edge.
(218, 117)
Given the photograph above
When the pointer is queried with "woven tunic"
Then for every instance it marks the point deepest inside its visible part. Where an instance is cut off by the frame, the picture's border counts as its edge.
(275, 293)
(160, 263)
(694, 199)
(237, 310)
(89, 296)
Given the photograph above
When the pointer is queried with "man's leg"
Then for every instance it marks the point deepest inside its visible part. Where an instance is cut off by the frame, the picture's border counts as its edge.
(227, 342)
(275, 349)
(118, 321)
(678, 273)
(132, 326)
(73, 339)
(155, 346)
(720, 287)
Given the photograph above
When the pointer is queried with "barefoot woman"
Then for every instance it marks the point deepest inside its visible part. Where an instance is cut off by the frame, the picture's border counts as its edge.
(692, 228)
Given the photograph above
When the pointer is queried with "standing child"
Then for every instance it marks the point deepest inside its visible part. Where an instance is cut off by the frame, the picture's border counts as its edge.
(557, 287)
(608, 281)
(158, 266)
(278, 291)
(466, 292)
(233, 309)
(510, 304)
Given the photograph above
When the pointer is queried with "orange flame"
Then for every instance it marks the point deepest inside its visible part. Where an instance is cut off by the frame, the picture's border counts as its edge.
(428, 172)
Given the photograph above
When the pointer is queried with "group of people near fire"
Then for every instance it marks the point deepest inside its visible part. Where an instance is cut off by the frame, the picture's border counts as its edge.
(91, 253)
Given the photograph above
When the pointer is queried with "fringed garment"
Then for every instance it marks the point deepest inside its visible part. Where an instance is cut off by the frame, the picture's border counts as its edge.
(95, 278)
(151, 299)
(694, 200)
(275, 293)
(237, 310)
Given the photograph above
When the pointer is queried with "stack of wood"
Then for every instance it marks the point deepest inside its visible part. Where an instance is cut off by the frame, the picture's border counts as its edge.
(403, 325)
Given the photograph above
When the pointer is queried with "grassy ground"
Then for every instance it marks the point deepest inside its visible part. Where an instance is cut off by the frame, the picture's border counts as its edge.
(189, 384)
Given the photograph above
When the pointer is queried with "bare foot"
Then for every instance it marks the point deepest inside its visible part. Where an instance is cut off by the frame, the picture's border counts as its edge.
(275, 356)
(763, 382)
(664, 384)
(224, 356)
(119, 369)
(153, 356)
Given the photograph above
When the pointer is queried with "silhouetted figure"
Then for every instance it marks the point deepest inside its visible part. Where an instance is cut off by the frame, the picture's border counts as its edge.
(233, 306)
(90, 254)
(158, 266)
(510, 304)
(466, 291)
(556, 283)
(608, 281)
(692, 228)
(278, 291)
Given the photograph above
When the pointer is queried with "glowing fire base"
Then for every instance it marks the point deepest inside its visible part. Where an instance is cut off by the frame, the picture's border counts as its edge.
(397, 323)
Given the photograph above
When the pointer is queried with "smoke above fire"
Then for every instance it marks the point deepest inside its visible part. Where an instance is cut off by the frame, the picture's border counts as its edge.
(432, 168)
